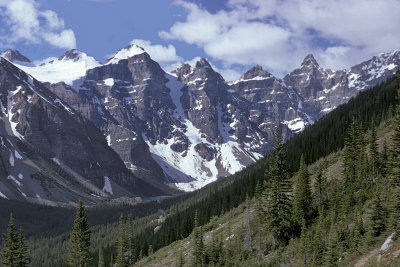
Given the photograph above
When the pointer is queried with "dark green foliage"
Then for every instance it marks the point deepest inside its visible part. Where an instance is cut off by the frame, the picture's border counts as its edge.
(373, 151)
(79, 243)
(377, 217)
(22, 259)
(277, 195)
(15, 251)
(121, 245)
(10, 245)
(198, 254)
(302, 200)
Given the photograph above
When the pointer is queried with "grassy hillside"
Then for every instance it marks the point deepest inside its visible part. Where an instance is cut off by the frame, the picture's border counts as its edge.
(230, 229)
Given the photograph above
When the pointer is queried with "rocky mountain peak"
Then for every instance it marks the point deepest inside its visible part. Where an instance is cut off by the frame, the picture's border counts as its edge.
(203, 63)
(72, 54)
(309, 61)
(256, 71)
(14, 55)
(125, 53)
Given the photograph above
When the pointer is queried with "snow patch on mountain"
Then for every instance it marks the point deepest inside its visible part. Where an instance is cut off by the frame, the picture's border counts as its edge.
(126, 53)
(296, 125)
(54, 70)
(12, 178)
(107, 185)
(3, 196)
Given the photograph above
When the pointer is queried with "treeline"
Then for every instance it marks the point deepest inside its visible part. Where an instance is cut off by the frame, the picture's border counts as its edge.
(324, 223)
(320, 139)
(327, 135)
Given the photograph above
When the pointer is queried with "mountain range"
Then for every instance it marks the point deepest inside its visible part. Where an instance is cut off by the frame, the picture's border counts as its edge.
(75, 128)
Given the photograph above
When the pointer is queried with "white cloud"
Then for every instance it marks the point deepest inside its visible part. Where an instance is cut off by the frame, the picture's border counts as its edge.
(27, 23)
(279, 33)
(159, 53)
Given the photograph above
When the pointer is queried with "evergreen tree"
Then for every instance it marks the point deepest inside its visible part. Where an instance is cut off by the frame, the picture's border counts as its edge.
(278, 201)
(302, 200)
(79, 240)
(377, 217)
(350, 156)
(130, 241)
(259, 213)
(121, 260)
(373, 149)
(302, 253)
(395, 151)
(384, 160)
(247, 235)
(101, 262)
(22, 259)
(10, 242)
(198, 243)
(320, 187)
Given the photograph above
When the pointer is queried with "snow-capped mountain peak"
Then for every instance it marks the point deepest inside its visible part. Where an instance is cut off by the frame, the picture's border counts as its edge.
(14, 56)
(256, 71)
(68, 68)
(125, 53)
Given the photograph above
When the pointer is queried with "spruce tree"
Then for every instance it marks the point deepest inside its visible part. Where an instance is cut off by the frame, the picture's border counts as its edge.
(395, 173)
(130, 241)
(395, 150)
(302, 250)
(320, 188)
(278, 201)
(198, 243)
(79, 240)
(373, 149)
(101, 262)
(10, 242)
(377, 217)
(121, 260)
(302, 200)
(22, 259)
(259, 213)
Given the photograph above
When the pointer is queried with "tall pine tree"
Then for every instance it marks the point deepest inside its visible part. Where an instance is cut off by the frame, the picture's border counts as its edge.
(22, 258)
(278, 190)
(122, 259)
(198, 258)
(79, 240)
(10, 245)
(302, 200)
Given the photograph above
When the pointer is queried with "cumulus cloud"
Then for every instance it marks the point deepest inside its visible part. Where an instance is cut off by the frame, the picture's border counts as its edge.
(279, 33)
(26, 22)
(159, 53)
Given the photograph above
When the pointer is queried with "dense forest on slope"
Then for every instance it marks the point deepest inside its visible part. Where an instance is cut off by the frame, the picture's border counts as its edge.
(336, 212)
(175, 216)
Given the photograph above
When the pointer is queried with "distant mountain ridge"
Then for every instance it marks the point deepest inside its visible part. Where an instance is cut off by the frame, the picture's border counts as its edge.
(190, 127)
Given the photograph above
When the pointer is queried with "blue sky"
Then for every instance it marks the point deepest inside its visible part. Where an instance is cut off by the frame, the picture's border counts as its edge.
(232, 34)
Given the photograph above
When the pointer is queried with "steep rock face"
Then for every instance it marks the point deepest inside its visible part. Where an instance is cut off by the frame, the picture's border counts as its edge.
(322, 90)
(45, 125)
(272, 103)
(14, 56)
(191, 127)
